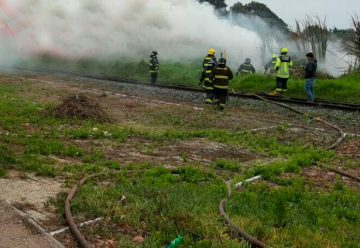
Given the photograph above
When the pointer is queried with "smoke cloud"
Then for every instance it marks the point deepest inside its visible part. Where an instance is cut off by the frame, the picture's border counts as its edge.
(130, 29)
(179, 30)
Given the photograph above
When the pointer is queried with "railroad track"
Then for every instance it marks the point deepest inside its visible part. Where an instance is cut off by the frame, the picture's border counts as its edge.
(296, 101)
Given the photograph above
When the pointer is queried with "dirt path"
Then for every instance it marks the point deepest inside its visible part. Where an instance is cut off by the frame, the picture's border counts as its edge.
(15, 232)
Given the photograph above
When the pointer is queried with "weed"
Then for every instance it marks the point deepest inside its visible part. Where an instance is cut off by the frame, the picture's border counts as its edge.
(162, 202)
(2, 172)
(296, 211)
(228, 165)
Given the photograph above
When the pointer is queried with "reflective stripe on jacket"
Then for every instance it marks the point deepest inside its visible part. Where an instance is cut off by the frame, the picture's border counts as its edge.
(221, 77)
(206, 61)
(283, 65)
(246, 68)
(154, 65)
(205, 76)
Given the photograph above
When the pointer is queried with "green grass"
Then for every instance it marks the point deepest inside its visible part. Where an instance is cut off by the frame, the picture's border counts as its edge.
(161, 204)
(344, 89)
(298, 215)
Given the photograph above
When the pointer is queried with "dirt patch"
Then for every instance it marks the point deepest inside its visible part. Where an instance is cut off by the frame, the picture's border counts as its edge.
(140, 150)
(81, 107)
(351, 149)
(15, 232)
(201, 150)
(325, 179)
(29, 194)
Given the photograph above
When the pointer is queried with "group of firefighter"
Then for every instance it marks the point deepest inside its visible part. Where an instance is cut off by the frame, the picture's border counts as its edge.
(216, 75)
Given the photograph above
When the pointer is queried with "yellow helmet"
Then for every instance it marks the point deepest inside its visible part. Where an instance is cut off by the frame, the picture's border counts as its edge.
(274, 56)
(211, 51)
(284, 50)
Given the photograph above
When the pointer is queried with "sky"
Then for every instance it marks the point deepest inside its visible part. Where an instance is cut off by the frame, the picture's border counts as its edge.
(337, 12)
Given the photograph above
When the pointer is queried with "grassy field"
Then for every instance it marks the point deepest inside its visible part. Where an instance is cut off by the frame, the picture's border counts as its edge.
(344, 89)
(286, 209)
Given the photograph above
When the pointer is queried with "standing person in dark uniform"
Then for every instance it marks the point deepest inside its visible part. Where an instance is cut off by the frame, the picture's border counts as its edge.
(154, 67)
(221, 75)
(246, 68)
(310, 72)
(208, 64)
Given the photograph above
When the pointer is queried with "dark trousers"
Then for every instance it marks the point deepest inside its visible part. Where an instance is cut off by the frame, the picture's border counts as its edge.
(153, 77)
(209, 96)
(281, 84)
(221, 96)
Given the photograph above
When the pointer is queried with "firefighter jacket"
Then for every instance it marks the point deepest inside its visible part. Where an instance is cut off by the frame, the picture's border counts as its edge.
(221, 75)
(208, 64)
(206, 61)
(283, 65)
(246, 68)
(271, 65)
(154, 65)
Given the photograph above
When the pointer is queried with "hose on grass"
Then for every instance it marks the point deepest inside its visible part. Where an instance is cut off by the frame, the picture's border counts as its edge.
(330, 147)
(254, 242)
(333, 145)
(80, 238)
(68, 214)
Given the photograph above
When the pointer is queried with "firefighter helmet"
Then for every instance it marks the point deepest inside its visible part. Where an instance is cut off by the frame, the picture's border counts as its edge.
(211, 51)
(222, 61)
(284, 50)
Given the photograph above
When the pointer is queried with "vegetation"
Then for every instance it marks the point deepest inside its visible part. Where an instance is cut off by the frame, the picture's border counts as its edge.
(352, 42)
(261, 11)
(218, 4)
(344, 89)
(313, 35)
(298, 215)
(283, 211)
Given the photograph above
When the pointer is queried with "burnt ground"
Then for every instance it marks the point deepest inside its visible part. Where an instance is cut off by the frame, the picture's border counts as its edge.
(142, 108)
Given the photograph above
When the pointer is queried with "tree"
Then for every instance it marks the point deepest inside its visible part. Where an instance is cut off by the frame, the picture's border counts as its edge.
(352, 42)
(312, 34)
(218, 4)
(261, 11)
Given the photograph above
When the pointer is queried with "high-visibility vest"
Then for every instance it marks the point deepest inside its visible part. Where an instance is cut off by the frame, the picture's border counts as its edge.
(283, 65)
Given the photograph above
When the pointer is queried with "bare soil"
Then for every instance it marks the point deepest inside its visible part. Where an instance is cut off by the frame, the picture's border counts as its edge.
(15, 232)
(29, 191)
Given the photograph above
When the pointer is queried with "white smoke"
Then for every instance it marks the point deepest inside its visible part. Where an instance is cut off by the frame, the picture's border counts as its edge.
(131, 29)
(179, 30)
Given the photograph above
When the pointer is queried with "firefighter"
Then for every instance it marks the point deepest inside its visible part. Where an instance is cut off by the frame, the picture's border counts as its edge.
(221, 75)
(246, 68)
(154, 67)
(209, 63)
(282, 68)
(270, 66)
